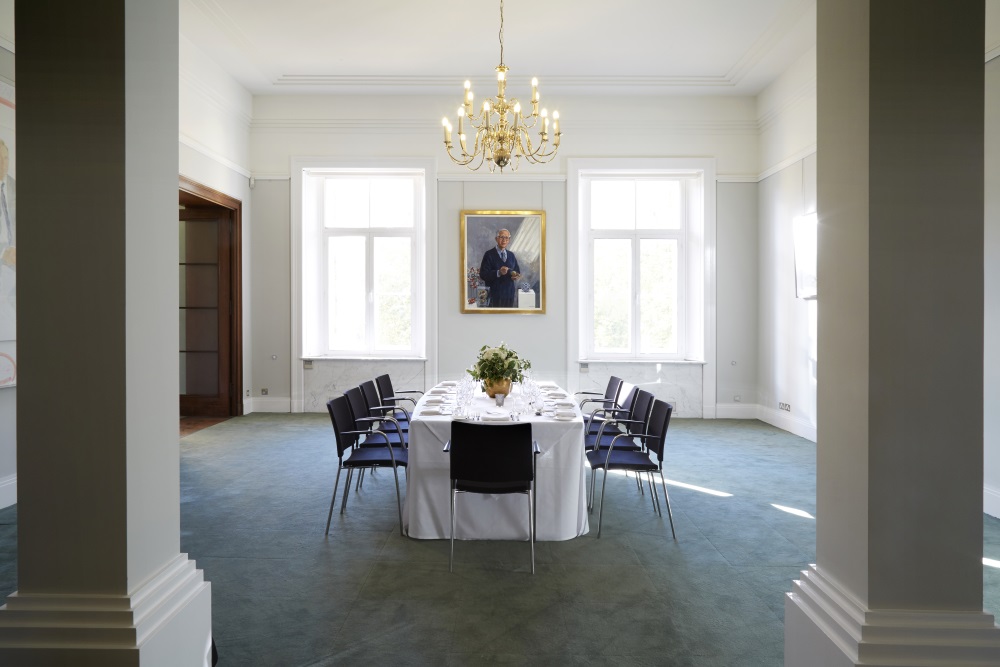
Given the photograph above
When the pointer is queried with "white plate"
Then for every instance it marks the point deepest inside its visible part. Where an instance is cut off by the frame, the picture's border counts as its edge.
(564, 419)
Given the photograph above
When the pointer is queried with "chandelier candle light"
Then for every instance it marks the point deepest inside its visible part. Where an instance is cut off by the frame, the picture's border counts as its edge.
(502, 130)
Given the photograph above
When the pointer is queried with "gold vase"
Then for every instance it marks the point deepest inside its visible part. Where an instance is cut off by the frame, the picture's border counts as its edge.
(494, 387)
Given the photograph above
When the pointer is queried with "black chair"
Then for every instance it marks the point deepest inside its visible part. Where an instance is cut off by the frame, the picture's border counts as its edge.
(376, 407)
(595, 419)
(347, 436)
(610, 399)
(636, 460)
(612, 422)
(376, 421)
(391, 396)
(492, 459)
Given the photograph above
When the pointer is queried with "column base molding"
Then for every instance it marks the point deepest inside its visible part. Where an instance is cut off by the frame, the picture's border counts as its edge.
(167, 621)
(824, 625)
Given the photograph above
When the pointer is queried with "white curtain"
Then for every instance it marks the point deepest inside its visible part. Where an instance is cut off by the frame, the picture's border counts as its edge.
(527, 241)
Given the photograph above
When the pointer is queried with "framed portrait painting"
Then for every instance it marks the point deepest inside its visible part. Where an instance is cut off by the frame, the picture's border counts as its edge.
(503, 261)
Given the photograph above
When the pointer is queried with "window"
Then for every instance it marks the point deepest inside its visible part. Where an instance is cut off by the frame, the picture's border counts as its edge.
(640, 264)
(362, 261)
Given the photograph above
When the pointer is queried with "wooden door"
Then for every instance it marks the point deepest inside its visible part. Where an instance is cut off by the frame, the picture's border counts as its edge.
(206, 386)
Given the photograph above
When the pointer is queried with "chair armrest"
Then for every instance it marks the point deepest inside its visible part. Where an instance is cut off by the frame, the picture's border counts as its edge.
(535, 449)
(587, 393)
(447, 447)
(390, 409)
(408, 391)
(599, 400)
(393, 399)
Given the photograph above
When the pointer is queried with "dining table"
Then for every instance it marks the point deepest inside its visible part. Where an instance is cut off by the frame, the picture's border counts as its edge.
(560, 475)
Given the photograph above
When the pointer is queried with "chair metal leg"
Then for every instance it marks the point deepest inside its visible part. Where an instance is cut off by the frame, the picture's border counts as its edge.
(361, 480)
(670, 512)
(600, 516)
(451, 556)
(638, 482)
(333, 500)
(399, 505)
(653, 497)
(531, 524)
(347, 488)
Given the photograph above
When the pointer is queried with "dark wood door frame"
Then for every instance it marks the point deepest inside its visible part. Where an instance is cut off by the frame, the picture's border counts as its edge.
(195, 193)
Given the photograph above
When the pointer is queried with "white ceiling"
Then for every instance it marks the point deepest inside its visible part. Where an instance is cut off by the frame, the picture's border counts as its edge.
(732, 47)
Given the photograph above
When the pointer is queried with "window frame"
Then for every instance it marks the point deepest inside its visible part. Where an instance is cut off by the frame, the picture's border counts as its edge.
(699, 273)
(636, 236)
(305, 243)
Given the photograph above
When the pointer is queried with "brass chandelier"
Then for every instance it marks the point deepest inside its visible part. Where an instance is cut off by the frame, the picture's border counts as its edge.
(503, 132)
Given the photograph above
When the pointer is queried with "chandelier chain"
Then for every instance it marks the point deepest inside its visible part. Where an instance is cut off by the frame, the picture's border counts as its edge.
(501, 32)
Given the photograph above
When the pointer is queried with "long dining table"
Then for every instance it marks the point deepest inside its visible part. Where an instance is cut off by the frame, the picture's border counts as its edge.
(560, 482)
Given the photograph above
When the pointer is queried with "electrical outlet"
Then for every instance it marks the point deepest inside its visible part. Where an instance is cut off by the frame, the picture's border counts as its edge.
(584, 368)
(263, 391)
(784, 406)
(248, 393)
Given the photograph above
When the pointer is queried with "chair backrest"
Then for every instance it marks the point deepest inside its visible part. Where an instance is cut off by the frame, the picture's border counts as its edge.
(641, 407)
(659, 422)
(629, 399)
(343, 420)
(384, 385)
(371, 395)
(359, 407)
(612, 391)
(491, 453)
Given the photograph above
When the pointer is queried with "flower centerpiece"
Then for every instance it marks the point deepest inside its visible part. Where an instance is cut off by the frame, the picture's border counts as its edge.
(497, 367)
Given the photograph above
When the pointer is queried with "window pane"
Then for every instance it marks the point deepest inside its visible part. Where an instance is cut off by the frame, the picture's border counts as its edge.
(346, 292)
(392, 202)
(612, 295)
(658, 295)
(658, 204)
(393, 307)
(345, 202)
(612, 204)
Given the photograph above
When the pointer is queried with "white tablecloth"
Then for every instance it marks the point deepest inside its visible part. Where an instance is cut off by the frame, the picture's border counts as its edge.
(560, 484)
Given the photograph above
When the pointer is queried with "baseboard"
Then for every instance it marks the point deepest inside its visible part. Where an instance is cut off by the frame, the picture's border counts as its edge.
(735, 411)
(8, 491)
(268, 404)
(991, 500)
(786, 422)
(825, 625)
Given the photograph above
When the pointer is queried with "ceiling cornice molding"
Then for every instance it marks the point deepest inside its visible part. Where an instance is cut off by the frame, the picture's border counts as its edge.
(209, 95)
(401, 126)
(804, 91)
(787, 162)
(781, 26)
(347, 82)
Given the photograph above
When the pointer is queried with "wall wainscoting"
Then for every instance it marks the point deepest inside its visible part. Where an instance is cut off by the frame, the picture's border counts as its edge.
(329, 378)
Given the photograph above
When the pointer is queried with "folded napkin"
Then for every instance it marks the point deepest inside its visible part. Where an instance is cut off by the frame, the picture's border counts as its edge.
(566, 414)
(558, 394)
(438, 391)
(433, 400)
(448, 383)
(429, 411)
(565, 403)
(487, 417)
(548, 383)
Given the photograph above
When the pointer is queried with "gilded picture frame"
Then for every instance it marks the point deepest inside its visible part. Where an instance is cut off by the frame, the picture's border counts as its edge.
(512, 281)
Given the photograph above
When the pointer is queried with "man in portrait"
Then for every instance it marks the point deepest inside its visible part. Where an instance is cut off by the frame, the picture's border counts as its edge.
(500, 271)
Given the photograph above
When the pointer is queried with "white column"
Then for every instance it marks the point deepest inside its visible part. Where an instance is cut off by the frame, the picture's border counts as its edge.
(898, 577)
(101, 580)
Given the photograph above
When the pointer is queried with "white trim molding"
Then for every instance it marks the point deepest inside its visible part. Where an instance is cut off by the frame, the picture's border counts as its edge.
(825, 625)
(736, 411)
(787, 422)
(8, 491)
(273, 404)
(164, 616)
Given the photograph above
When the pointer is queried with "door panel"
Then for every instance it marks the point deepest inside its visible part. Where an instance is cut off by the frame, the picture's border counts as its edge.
(204, 234)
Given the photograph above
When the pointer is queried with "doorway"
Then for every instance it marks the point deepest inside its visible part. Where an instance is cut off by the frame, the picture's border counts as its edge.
(210, 304)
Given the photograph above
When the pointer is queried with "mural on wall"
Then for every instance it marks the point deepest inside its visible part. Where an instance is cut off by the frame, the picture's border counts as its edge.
(8, 240)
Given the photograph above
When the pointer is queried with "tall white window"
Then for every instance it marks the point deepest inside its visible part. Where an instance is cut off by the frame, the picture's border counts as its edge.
(637, 298)
(362, 260)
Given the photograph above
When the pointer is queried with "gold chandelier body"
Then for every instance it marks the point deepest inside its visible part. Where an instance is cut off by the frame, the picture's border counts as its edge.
(503, 133)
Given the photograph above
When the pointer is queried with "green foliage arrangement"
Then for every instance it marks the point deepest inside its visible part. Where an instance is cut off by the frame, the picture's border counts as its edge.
(499, 363)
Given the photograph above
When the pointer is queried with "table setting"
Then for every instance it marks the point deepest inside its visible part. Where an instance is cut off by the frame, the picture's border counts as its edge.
(497, 388)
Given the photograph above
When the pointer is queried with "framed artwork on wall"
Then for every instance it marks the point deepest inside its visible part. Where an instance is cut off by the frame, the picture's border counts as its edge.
(503, 261)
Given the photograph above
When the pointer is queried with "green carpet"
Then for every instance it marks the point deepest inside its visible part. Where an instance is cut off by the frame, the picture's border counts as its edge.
(254, 496)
